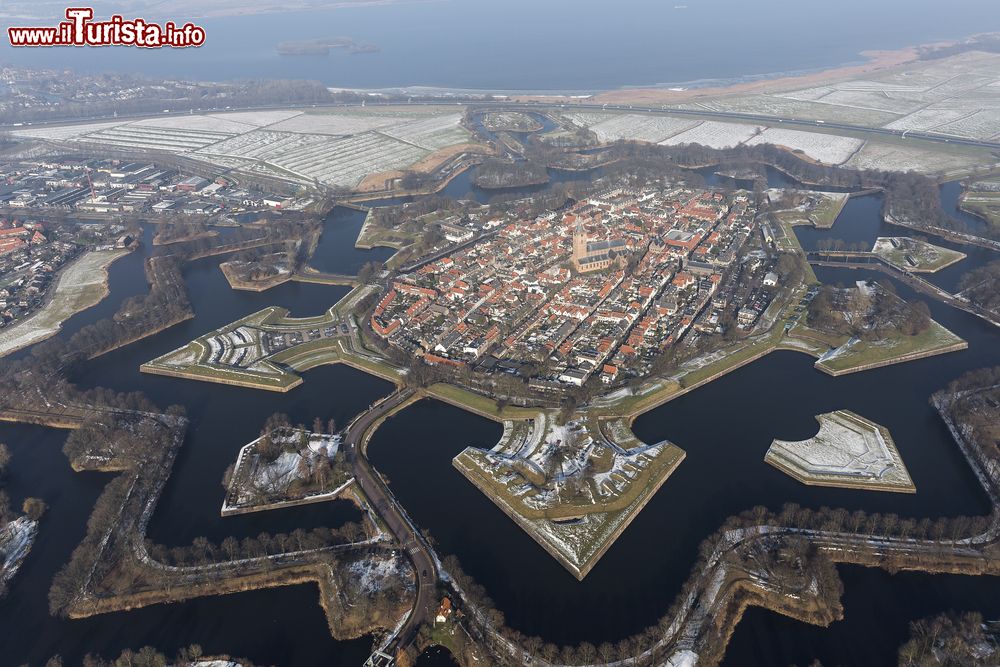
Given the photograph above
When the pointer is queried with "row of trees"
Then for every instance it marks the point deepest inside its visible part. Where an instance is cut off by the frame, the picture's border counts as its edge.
(155, 98)
(783, 553)
(165, 304)
(498, 173)
(981, 286)
(840, 245)
(979, 411)
(853, 312)
(148, 656)
(203, 552)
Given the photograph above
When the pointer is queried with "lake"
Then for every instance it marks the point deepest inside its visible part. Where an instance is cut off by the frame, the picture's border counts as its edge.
(564, 45)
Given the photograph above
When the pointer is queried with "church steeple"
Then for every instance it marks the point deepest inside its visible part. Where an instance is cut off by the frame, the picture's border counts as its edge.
(579, 241)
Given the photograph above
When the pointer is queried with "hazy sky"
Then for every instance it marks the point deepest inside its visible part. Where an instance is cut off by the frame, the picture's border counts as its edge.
(542, 44)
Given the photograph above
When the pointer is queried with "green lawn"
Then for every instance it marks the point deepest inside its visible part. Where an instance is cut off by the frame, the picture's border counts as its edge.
(934, 340)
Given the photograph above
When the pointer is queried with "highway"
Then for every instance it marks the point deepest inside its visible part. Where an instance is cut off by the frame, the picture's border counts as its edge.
(386, 506)
(804, 123)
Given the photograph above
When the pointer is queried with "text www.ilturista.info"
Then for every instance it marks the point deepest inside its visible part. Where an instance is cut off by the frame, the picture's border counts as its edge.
(80, 30)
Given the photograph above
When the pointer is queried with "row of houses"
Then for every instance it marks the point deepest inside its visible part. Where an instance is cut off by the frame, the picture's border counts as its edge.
(591, 290)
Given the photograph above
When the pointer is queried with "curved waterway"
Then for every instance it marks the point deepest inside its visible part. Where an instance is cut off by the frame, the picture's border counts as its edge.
(725, 427)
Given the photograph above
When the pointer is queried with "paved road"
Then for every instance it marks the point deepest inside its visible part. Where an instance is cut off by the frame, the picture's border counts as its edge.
(390, 511)
(702, 113)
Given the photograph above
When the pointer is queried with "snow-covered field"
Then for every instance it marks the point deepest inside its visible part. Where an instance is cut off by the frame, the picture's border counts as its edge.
(927, 119)
(826, 148)
(173, 140)
(925, 96)
(714, 135)
(192, 122)
(60, 132)
(847, 448)
(785, 107)
(430, 133)
(894, 157)
(983, 124)
(259, 118)
(639, 127)
(331, 148)
(336, 124)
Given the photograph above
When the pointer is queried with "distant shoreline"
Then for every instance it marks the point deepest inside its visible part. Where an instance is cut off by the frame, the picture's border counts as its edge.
(196, 10)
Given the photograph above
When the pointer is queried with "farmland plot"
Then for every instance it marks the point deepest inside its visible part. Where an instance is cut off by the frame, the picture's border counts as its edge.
(336, 149)
(258, 118)
(340, 161)
(213, 124)
(587, 118)
(714, 135)
(871, 101)
(638, 127)
(789, 108)
(892, 157)
(927, 119)
(430, 133)
(807, 94)
(335, 124)
(826, 148)
(155, 139)
(259, 143)
(63, 132)
(980, 125)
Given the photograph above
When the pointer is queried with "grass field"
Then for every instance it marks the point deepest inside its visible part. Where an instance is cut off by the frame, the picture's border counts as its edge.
(982, 199)
(895, 349)
(821, 210)
(915, 255)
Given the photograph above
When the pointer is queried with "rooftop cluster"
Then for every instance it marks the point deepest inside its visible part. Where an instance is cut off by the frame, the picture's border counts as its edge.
(600, 288)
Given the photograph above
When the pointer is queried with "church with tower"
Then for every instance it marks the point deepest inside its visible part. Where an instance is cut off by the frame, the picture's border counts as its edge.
(596, 255)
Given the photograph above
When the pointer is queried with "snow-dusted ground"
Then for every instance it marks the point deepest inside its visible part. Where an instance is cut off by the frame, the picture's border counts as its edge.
(826, 148)
(61, 131)
(337, 124)
(782, 106)
(683, 658)
(332, 148)
(255, 477)
(563, 456)
(927, 119)
(636, 127)
(214, 124)
(259, 118)
(893, 157)
(369, 574)
(714, 134)
(899, 250)
(984, 124)
(846, 448)
(925, 96)
(16, 539)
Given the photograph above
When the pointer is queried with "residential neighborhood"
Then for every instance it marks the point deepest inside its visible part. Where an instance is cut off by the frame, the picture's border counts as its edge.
(32, 253)
(601, 288)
